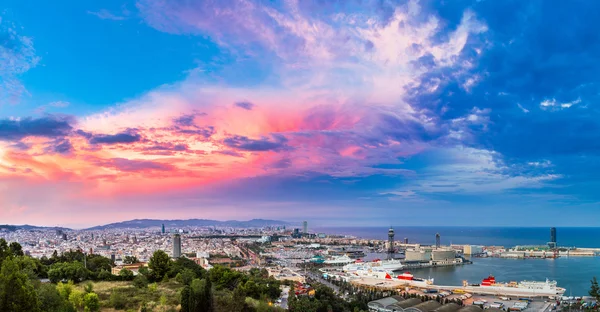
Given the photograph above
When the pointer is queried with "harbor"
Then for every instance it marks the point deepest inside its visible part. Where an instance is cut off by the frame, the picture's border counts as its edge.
(459, 266)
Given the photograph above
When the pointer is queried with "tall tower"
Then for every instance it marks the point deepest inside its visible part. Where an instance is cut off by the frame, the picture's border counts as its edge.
(163, 228)
(406, 240)
(553, 235)
(304, 227)
(176, 245)
(437, 240)
(390, 243)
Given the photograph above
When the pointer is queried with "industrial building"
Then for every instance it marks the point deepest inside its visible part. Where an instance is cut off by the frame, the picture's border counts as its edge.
(399, 304)
(443, 255)
(450, 307)
(418, 255)
(472, 250)
(427, 254)
(424, 306)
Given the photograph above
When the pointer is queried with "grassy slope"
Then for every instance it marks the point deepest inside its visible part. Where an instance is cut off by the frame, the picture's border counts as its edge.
(134, 297)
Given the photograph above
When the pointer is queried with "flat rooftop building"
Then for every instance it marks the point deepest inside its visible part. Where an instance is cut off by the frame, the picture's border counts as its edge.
(384, 304)
(470, 308)
(450, 307)
(426, 306)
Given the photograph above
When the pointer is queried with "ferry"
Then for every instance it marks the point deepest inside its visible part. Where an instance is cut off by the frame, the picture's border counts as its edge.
(386, 265)
(534, 288)
(371, 273)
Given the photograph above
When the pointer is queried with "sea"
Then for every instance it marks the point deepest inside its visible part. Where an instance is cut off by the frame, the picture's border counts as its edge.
(572, 273)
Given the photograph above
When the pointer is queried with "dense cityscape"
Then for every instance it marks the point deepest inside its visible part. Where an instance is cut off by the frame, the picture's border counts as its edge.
(367, 274)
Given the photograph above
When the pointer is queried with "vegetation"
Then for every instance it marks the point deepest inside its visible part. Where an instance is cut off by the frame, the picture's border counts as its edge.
(595, 289)
(130, 260)
(166, 285)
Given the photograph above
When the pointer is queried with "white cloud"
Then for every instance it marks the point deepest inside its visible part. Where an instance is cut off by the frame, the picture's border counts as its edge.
(17, 56)
(106, 15)
(525, 110)
(554, 105)
(470, 171)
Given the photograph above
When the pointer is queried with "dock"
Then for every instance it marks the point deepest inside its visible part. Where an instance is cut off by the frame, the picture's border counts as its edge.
(390, 284)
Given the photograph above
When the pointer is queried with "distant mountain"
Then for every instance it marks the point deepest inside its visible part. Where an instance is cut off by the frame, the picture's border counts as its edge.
(146, 223)
(12, 228)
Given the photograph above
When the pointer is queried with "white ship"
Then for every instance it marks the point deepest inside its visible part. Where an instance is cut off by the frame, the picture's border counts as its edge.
(339, 260)
(534, 288)
(385, 265)
(371, 273)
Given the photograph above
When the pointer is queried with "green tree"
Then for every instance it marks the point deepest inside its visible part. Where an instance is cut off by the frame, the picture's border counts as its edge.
(126, 274)
(96, 263)
(72, 271)
(185, 298)
(185, 277)
(238, 299)
(159, 264)
(207, 296)
(595, 289)
(30, 266)
(105, 275)
(200, 296)
(15, 249)
(183, 263)
(140, 281)
(88, 287)
(76, 298)
(91, 302)
(16, 290)
(64, 290)
(4, 252)
(49, 298)
(130, 260)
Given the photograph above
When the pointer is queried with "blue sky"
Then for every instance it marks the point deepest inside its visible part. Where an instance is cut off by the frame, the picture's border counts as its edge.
(343, 113)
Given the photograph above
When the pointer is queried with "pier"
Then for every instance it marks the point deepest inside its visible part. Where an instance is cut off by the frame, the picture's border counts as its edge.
(391, 284)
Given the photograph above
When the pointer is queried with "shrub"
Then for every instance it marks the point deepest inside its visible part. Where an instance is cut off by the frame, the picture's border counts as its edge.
(140, 281)
(117, 300)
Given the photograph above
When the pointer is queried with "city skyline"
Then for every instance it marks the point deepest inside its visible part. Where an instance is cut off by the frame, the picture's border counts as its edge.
(339, 113)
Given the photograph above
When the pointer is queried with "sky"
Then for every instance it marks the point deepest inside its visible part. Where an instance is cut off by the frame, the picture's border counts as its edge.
(343, 113)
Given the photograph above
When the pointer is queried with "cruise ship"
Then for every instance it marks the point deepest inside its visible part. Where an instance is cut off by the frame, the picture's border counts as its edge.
(534, 288)
(339, 260)
(384, 265)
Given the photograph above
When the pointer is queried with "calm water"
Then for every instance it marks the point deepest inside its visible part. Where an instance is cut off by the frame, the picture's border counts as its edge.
(499, 236)
(573, 273)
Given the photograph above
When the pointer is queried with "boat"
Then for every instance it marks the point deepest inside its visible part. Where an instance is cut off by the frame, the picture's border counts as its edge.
(372, 273)
(386, 265)
(339, 260)
(411, 280)
(317, 259)
(534, 288)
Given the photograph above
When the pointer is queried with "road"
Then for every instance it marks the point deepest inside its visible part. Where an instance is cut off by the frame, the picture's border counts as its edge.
(285, 294)
(320, 278)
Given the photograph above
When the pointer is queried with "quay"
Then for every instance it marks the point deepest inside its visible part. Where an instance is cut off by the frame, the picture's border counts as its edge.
(391, 284)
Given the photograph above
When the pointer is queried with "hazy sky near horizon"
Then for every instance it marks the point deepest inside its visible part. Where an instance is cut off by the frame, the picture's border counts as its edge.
(340, 112)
